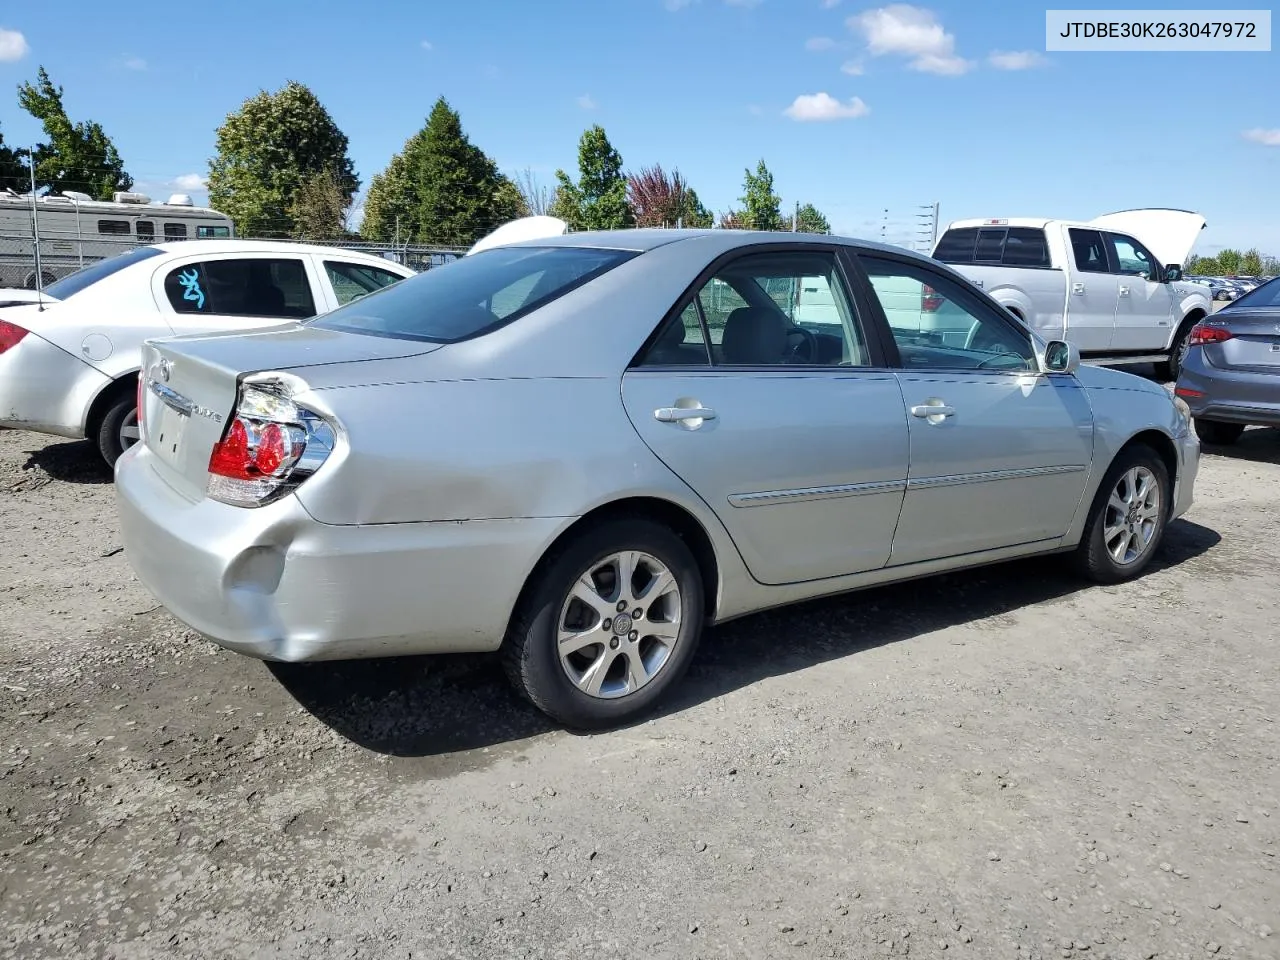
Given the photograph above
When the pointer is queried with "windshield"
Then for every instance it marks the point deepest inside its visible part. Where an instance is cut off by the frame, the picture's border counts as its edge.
(473, 295)
(1267, 295)
(75, 282)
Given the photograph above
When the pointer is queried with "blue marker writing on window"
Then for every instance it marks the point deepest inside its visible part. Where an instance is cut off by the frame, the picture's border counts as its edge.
(190, 281)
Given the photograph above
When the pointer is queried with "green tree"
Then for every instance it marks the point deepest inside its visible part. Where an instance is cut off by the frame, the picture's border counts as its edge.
(1229, 261)
(810, 220)
(760, 204)
(1204, 267)
(598, 201)
(319, 208)
(1251, 263)
(267, 150)
(440, 188)
(13, 168)
(78, 156)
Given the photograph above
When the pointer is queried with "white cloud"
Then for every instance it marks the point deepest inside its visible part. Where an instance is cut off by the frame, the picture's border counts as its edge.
(586, 103)
(818, 44)
(191, 181)
(13, 45)
(853, 68)
(1016, 59)
(1268, 138)
(427, 45)
(822, 106)
(134, 63)
(914, 32)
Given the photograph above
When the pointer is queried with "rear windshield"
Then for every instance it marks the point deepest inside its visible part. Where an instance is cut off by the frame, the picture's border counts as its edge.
(1006, 246)
(1267, 295)
(473, 295)
(75, 282)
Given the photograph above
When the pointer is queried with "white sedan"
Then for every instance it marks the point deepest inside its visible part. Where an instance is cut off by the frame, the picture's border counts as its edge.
(69, 364)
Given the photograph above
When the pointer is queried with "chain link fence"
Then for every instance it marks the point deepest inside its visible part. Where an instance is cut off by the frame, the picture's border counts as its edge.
(61, 254)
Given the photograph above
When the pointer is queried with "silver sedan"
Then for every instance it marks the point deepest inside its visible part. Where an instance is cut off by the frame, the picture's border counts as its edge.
(583, 451)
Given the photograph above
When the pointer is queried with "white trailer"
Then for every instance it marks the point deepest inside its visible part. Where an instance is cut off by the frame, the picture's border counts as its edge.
(76, 230)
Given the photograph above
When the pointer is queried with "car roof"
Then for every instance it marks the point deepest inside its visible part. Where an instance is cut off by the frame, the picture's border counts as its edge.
(236, 245)
(642, 239)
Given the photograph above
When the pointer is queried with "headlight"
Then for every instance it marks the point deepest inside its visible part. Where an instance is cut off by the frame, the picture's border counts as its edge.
(1184, 411)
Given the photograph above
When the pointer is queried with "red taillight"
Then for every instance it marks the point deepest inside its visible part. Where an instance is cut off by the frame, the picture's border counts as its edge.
(256, 451)
(930, 299)
(10, 334)
(141, 386)
(1203, 333)
(1188, 392)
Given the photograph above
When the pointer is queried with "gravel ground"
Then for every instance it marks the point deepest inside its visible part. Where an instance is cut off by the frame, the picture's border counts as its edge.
(997, 764)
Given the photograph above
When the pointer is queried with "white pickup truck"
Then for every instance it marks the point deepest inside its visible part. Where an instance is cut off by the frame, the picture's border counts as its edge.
(1119, 299)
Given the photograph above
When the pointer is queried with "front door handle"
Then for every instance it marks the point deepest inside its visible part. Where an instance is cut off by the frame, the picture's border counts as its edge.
(1124, 291)
(1078, 289)
(927, 411)
(682, 414)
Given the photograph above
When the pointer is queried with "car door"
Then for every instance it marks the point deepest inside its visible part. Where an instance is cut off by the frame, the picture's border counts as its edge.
(234, 291)
(999, 452)
(1144, 307)
(778, 412)
(1092, 291)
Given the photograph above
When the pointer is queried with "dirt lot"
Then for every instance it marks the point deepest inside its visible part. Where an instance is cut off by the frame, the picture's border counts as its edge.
(1000, 764)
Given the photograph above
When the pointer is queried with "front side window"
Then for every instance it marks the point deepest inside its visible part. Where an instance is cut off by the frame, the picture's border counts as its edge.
(766, 309)
(473, 295)
(351, 281)
(242, 288)
(1131, 257)
(938, 324)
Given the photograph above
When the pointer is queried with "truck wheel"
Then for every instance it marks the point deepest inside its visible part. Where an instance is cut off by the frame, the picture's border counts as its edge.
(1168, 371)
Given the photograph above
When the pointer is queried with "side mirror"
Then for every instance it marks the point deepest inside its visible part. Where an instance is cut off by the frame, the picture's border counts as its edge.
(1172, 272)
(1061, 357)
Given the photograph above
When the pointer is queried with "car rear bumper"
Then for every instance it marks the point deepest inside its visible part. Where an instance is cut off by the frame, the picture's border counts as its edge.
(1232, 396)
(45, 389)
(275, 584)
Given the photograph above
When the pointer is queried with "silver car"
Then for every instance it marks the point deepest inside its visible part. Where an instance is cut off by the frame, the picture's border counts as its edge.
(1231, 376)
(583, 451)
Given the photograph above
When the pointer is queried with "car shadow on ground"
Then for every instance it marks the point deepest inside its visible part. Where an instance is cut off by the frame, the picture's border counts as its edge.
(76, 461)
(1257, 445)
(430, 706)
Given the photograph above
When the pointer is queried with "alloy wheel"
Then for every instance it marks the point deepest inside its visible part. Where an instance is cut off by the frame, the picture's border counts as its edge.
(1132, 516)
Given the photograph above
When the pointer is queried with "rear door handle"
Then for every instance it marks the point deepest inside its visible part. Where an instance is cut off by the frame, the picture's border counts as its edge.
(1124, 291)
(681, 414)
(927, 411)
(1078, 289)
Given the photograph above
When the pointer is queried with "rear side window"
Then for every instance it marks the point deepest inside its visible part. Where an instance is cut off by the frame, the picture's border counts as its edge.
(242, 288)
(1088, 250)
(990, 245)
(473, 295)
(75, 282)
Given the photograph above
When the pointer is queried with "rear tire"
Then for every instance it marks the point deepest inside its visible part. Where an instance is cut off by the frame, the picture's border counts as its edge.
(1127, 520)
(1217, 433)
(591, 663)
(119, 428)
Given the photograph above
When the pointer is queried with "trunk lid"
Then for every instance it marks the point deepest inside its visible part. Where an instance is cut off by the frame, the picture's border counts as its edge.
(191, 384)
(1255, 341)
(1169, 234)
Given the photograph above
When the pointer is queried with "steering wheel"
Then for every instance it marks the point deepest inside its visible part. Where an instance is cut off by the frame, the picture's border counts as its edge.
(806, 349)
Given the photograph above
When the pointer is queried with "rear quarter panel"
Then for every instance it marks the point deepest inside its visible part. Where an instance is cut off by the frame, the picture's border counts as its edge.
(1035, 295)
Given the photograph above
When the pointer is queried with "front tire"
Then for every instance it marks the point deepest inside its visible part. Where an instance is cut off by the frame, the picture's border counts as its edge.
(1168, 371)
(1217, 433)
(118, 430)
(1127, 520)
(608, 626)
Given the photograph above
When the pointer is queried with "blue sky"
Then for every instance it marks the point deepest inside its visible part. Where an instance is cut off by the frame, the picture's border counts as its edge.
(856, 107)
